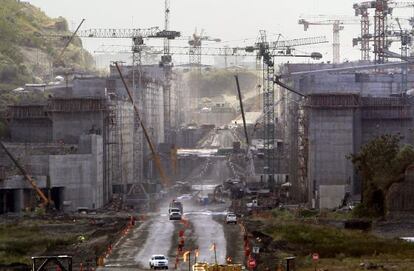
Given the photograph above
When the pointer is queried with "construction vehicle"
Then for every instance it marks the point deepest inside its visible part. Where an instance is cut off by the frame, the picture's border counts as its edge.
(174, 205)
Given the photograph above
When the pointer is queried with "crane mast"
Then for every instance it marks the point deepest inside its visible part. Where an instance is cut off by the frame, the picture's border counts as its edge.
(269, 136)
(166, 63)
(167, 27)
(383, 8)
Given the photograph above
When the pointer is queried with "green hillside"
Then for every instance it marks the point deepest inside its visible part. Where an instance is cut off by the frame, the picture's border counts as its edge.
(29, 46)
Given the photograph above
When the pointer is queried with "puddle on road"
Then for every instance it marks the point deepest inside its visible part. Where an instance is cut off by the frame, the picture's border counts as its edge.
(204, 213)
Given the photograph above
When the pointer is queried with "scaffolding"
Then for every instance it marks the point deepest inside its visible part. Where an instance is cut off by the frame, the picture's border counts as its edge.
(303, 151)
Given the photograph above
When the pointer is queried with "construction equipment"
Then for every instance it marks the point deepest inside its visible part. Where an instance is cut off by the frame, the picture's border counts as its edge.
(383, 8)
(135, 34)
(164, 179)
(264, 51)
(242, 110)
(166, 63)
(337, 24)
(68, 42)
(45, 201)
(405, 43)
(250, 171)
(284, 48)
(195, 43)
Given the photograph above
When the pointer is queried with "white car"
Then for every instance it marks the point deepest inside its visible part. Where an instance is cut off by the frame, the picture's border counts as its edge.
(158, 261)
(176, 215)
(231, 218)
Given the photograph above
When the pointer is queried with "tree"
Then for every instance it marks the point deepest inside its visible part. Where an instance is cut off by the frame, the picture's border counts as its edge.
(381, 163)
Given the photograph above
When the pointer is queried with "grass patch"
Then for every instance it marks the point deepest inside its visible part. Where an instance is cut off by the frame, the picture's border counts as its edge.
(18, 243)
(331, 242)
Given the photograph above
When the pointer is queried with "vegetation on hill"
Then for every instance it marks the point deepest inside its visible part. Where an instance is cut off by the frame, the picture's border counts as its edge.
(28, 48)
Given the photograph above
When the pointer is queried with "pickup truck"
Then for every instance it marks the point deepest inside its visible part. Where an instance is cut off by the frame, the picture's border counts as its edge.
(158, 261)
(175, 205)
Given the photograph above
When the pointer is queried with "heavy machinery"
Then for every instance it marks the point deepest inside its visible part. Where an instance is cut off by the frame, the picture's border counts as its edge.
(265, 51)
(383, 9)
(195, 53)
(45, 201)
(337, 23)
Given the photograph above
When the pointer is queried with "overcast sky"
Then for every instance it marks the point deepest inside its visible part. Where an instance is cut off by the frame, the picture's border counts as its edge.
(231, 20)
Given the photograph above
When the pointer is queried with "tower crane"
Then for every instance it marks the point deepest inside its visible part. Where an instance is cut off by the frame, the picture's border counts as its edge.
(337, 23)
(137, 36)
(195, 43)
(383, 8)
(283, 48)
(406, 41)
(265, 51)
(166, 63)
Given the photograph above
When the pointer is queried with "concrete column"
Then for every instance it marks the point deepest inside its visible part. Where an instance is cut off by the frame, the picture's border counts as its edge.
(18, 200)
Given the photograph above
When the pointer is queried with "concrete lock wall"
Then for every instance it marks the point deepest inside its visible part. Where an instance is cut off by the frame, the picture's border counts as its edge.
(29, 130)
(81, 176)
(331, 139)
(69, 126)
(89, 87)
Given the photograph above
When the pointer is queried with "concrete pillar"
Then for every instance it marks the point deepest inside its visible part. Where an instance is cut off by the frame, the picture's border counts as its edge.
(3, 202)
(18, 200)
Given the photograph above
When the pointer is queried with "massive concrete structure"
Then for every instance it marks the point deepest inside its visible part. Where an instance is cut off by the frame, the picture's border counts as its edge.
(88, 141)
(342, 112)
(71, 174)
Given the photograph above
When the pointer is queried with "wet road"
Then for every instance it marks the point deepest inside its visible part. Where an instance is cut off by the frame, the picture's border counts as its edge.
(159, 235)
(219, 139)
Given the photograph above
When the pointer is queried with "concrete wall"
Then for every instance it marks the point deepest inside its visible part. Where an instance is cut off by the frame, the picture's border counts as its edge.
(331, 139)
(122, 144)
(31, 130)
(83, 87)
(331, 196)
(68, 126)
(81, 176)
(341, 129)
(366, 83)
(89, 87)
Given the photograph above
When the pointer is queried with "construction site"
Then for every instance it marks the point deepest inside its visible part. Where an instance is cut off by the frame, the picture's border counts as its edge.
(312, 156)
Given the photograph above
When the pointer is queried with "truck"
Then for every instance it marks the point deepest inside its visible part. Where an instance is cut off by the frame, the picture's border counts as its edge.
(174, 205)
